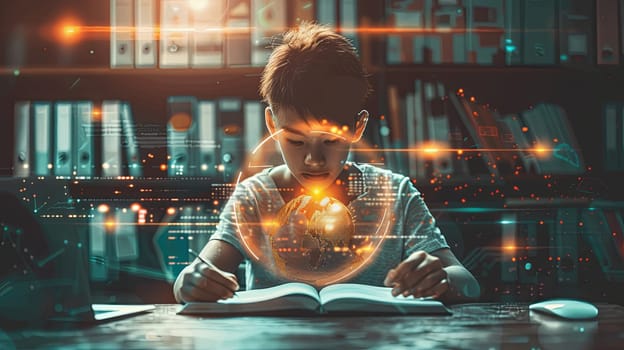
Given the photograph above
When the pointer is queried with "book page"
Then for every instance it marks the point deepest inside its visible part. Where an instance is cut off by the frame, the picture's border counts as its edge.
(349, 297)
(286, 297)
(264, 294)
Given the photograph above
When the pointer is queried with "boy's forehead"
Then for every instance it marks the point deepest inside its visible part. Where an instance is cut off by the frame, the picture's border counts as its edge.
(292, 122)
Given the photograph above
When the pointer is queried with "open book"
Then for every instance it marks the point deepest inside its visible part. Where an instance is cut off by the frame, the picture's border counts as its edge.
(296, 297)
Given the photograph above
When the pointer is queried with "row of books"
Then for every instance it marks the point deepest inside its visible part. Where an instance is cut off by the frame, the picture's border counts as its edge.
(505, 32)
(217, 33)
(212, 137)
(83, 139)
(567, 241)
(451, 134)
(61, 139)
(614, 136)
(212, 33)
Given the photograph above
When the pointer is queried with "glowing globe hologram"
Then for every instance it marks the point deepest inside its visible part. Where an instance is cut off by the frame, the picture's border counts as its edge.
(314, 238)
(313, 234)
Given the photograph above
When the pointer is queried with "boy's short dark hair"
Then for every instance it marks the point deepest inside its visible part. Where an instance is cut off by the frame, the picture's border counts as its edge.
(317, 71)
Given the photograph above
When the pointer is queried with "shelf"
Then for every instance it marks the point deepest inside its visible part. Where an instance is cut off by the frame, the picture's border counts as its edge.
(98, 71)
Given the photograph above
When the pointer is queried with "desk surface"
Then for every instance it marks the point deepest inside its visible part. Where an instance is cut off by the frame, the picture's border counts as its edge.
(472, 326)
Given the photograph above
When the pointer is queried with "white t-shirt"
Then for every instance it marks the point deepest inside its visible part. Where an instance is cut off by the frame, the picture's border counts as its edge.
(411, 226)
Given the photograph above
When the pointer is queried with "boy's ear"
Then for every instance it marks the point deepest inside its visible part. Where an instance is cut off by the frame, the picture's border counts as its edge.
(270, 122)
(360, 125)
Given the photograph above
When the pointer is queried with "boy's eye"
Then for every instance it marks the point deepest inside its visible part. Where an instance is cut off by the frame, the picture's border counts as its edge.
(294, 142)
(331, 142)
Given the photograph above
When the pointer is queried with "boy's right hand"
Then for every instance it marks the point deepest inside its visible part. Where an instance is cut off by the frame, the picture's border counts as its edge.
(202, 283)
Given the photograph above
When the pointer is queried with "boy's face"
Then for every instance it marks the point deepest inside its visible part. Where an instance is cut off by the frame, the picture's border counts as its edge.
(314, 150)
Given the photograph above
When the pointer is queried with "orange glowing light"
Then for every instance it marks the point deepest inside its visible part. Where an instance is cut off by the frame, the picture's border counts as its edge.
(163, 167)
(110, 224)
(67, 30)
(181, 121)
(541, 151)
(70, 30)
(135, 207)
(103, 208)
(96, 114)
(171, 211)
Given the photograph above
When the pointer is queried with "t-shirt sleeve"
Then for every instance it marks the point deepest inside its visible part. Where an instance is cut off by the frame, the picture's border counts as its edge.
(419, 225)
(237, 212)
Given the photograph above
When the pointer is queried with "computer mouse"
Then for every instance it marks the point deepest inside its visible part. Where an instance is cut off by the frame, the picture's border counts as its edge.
(569, 309)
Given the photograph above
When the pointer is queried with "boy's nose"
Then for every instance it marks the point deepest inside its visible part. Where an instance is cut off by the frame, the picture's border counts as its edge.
(314, 158)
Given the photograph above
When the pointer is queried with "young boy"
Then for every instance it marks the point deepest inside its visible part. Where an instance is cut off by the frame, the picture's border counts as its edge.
(315, 87)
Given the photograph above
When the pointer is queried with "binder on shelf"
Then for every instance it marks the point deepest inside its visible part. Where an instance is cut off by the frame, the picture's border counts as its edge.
(448, 41)
(146, 48)
(84, 153)
(607, 39)
(485, 30)
(174, 34)
(514, 32)
(208, 34)
(63, 151)
(613, 137)
(207, 143)
(42, 126)
(231, 134)
(122, 33)
(407, 47)
(386, 146)
(238, 34)
(254, 125)
(397, 158)
(483, 129)
(620, 159)
(129, 142)
(326, 13)
(417, 134)
(349, 21)
(111, 138)
(22, 141)
(540, 30)
(576, 32)
(268, 19)
(516, 127)
(180, 135)
(439, 128)
(550, 133)
(412, 157)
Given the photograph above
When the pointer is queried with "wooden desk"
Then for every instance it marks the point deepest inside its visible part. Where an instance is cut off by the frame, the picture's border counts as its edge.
(472, 326)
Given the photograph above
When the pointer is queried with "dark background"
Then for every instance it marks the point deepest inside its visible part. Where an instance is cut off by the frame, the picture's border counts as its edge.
(27, 42)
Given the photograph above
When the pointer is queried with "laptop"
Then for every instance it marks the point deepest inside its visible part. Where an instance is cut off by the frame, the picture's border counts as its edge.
(43, 269)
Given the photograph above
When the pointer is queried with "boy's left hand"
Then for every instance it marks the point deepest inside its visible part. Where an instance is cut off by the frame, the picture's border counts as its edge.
(420, 275)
